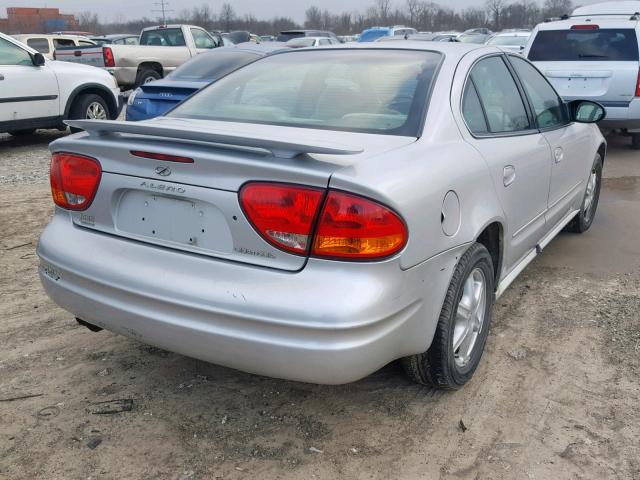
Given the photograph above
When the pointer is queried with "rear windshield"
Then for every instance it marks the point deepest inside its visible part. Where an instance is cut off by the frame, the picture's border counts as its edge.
(167, 37)
(286, 36)
(213, 65)
(373, 91)
(615, 44)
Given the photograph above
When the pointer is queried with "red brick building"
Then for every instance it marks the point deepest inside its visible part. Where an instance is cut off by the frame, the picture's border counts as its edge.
(36, 20)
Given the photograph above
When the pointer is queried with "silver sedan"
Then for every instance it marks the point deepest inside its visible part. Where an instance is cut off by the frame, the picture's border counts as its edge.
(320, 213)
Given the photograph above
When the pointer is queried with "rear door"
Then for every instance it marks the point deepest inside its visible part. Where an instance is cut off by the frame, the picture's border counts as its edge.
(569, 142)
(590, 61)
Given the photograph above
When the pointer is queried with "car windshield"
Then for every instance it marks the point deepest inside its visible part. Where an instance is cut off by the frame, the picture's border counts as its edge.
(374, 91)
(213, 65)
(517, 40)
(585, 45)
(166, 37)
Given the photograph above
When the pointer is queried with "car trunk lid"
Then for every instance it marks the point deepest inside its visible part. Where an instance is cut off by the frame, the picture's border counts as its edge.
(193, 206)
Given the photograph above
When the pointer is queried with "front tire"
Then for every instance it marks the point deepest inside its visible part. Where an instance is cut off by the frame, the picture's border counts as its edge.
(635, 141)
(22, 133)
(463, 325)
(583, 220)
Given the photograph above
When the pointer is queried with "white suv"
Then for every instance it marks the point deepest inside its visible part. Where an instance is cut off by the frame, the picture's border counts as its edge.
(594, 54)
(40, 93)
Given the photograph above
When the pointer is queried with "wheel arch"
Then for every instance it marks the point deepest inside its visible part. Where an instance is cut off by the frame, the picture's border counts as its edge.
(92, 88)
(150, 65)
(602, 150)
(492, 237)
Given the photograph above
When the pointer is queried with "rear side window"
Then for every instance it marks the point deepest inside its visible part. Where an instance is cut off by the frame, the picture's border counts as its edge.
(499, 95)
(39, 44)
(63, 42)
(472, 110)
(616, 44)
(167, 37)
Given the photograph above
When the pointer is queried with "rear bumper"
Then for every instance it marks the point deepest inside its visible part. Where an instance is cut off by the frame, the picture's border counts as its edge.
(125, 76)
(622, 116)
(329, 323)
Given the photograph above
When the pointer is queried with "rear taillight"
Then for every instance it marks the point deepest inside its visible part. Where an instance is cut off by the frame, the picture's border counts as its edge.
(638, 86)
(107, 54)
(349, 227)
(282, 214)
(352, 227)
(74, 180)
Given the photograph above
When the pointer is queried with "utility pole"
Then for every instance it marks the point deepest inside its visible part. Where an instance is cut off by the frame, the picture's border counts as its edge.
(163, 4)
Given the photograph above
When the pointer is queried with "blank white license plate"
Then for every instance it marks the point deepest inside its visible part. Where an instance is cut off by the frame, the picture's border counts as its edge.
(171, 220)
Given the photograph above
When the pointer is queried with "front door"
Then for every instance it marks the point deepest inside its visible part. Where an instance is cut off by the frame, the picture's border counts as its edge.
(26, 91)
(569, 142)
(517, 154)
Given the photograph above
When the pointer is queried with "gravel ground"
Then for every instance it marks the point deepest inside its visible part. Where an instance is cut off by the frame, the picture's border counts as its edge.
(555, 397)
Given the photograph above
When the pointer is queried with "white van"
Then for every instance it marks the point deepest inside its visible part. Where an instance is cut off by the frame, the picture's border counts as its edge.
(47, 43)
(594, 54)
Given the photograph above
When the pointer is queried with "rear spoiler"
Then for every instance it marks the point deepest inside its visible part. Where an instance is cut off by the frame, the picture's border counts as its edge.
(265, 139)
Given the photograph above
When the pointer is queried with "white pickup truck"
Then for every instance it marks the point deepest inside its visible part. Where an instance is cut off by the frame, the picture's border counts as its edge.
(161, 50)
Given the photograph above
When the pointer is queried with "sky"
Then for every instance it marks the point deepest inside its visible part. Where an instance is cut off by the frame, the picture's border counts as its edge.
(108, 10)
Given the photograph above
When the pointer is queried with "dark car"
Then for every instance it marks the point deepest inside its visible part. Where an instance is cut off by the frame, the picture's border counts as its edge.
(287, 35)
(117, 39)
(156, 98)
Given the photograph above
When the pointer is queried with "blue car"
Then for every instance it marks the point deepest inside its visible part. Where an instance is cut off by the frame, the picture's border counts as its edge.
(154, 99)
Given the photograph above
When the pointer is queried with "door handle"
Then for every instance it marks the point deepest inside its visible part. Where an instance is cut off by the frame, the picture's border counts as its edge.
(558, 155)
(508, 175)
(1, 76)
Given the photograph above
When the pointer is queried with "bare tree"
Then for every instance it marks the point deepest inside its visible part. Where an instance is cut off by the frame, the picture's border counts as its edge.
(413, 7)
(384, 8)
(227, 16)
(313, 17)
(495, 9)
(557, 8)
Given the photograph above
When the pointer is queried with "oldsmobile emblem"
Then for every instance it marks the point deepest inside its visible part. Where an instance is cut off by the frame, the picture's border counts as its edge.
(163, 171)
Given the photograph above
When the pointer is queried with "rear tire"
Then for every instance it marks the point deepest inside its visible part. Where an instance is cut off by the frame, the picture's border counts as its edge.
(470, 295)
(635, 141)
(22, 133)
(583, 220)
(147, 75)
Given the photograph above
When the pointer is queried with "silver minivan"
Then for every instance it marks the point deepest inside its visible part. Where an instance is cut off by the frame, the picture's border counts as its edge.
(594, 54)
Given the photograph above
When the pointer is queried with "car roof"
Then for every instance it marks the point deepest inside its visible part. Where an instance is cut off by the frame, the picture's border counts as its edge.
(263, 48)
(512, 34)
(608, 8)
(115, 36)
(601, 21)
(453, 49)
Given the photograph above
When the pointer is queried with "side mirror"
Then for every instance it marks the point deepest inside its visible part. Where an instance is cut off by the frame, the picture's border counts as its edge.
(585, 111)
(37, 59)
